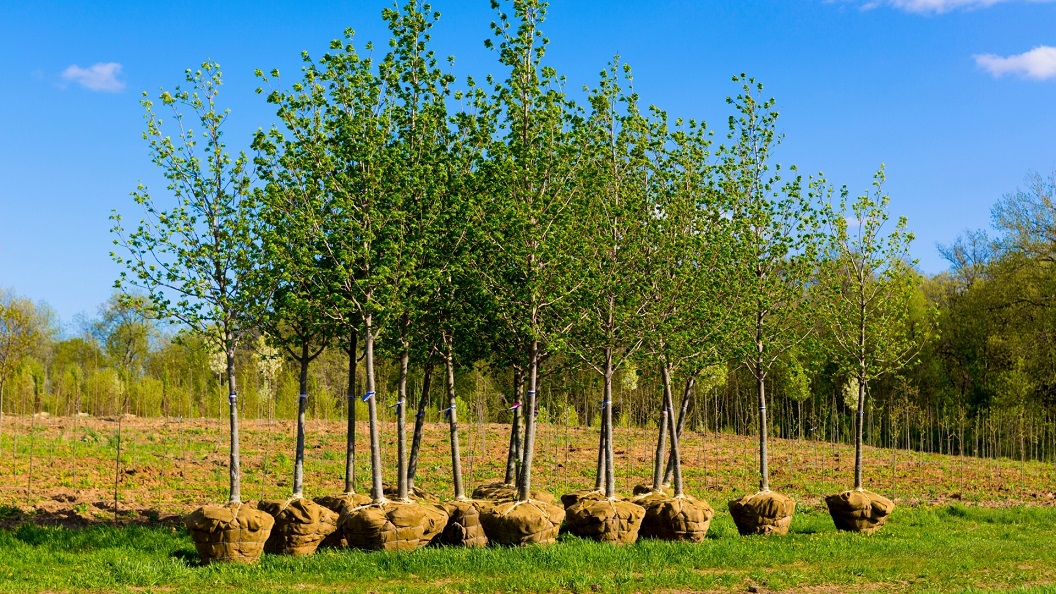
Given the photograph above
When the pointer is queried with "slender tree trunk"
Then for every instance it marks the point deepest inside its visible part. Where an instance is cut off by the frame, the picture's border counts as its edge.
(350, 441)
(452, 415)
(419, 424)
(603, 438)
(858, 430)
(302, 399)
(676, 459)
(513, 456)
(376, 492)
(606, 419)
(401, 425)
(661, 447)
(764, 468)
(232, 400)
(524, 478)
(669, 473)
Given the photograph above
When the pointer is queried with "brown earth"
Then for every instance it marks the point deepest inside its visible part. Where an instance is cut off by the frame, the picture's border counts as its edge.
(67, 471)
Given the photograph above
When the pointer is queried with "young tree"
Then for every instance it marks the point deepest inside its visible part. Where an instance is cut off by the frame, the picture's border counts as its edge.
(197, 258)
(869, 285)
(608, 288)
(778, 254)
(532, 178)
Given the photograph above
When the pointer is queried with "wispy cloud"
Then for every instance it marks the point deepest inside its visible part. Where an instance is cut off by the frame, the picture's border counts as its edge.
(939, 6)
(1039, 63)
(97, 77)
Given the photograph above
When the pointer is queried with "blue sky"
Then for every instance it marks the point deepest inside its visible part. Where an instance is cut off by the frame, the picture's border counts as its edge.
(956, 97)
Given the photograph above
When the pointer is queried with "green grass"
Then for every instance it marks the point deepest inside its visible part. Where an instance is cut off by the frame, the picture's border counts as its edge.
(922, 549)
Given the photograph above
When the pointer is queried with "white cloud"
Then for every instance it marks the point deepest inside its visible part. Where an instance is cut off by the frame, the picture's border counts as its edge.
(938, 6)
(97, 77)
(1039, 63)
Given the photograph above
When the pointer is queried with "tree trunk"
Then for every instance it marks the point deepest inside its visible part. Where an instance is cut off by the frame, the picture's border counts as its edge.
(401, 425)
(376, 492)
(599, 481)
(513, 456)
(661, 446)
(419, 424)
(350, 441)
(232, 400)
(524, 478)
(764, 468)
(676, 459)
(452, 412)
(669, 473)
(606, 420)
(298, 465)
(858, 430)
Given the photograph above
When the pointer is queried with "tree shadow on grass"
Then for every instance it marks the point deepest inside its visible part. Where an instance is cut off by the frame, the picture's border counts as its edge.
(188, 556)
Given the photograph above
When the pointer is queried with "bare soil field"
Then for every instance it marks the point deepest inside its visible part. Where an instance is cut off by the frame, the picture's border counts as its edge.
(67, 470)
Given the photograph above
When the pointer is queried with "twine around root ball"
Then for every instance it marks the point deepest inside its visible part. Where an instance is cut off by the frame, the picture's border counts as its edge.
(300, 526)
(390, 526)
(463, 524)
(763, 513)
(337, 504)
(859, 510)
(522, 522)
(232, 532)
(570, 499)
(605, 520)
(500, 491)
(682, 518)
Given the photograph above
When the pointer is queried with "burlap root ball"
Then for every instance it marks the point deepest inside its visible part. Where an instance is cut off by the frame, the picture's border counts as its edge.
(764, 513)
(337, 504)
(570, 499)
(500, 491)
(676, 518)
(389, 526)
(491, 489)
(645, 493)
(300, 526)
(646, 490)
(463, 524)
(435, 521)
(522, 522)
(859, 510)
(232, 532)
(414, 494)
(605, 520)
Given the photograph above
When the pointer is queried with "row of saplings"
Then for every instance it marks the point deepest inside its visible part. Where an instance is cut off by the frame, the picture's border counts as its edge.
(502, 512)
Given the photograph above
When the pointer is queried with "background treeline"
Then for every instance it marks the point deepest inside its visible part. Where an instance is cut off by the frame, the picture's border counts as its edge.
(518, 228)
(985, 384)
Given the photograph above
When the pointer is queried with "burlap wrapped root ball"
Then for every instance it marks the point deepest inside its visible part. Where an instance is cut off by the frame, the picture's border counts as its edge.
(493, 490)
(859, 510)
(337, 504)
(414, 494)
(522, 522)
(570, 499)
(646, 490)
(682, 518)
(764, 513)
(232, 532)
(645, 493)
(463, 527)
(389, 526)
(500, 491)
(300, 526)
(605, 520)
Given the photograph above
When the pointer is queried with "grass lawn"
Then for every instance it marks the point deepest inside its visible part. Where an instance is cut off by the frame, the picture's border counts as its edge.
(950, 548)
